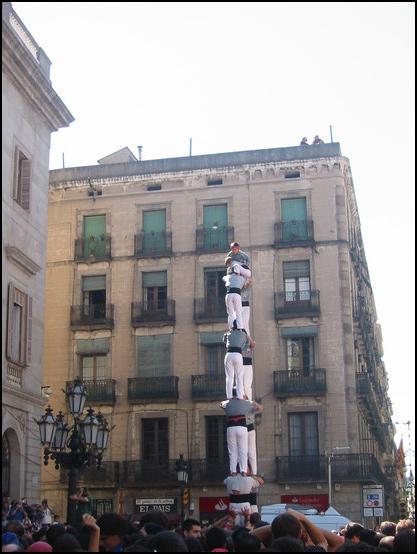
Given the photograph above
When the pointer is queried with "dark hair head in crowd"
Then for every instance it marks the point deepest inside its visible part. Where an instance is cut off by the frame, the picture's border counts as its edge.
(285, 525)
(369, 536)
(357, 547)
(67, 543)
(243, 541)
(112, 529)
(405, 541)
(386, 544)
(152, 528)
(54, 532)
(193, 545)
(353, 530)
(168, 541)
(216, 538)
(287, 544)
(388, 528)
(155, 516)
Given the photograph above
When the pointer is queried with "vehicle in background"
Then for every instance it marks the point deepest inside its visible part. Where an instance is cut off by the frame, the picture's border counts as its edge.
(330, 520)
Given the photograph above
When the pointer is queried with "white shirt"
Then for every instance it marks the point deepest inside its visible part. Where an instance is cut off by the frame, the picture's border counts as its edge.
(240, 483)
(46, 516)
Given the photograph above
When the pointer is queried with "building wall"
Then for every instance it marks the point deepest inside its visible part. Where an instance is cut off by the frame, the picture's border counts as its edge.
(253, 192)
(26, 127)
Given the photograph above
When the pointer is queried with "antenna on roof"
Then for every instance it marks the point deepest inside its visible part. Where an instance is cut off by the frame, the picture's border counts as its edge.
(331, 134)
(139, 153)
(63, 160)
(191, 146)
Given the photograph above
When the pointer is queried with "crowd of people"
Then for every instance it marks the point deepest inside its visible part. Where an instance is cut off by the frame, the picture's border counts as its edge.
(317, 140)
(290, 531)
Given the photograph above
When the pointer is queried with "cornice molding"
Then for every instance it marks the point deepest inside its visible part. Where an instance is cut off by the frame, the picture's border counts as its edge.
(19, 258)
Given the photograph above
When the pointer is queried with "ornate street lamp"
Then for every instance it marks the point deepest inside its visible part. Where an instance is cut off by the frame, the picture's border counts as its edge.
(181, 467)
(73, 448)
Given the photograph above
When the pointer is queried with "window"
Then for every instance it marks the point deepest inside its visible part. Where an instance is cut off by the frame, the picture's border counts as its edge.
(94, 296)
(19, 327)
(292, 174)
(215, 227)
(155, 291)
(294, 219)
(94, 234)
(154, 231)
(212, 182)
(214, 286)
(303, 434)
(5, 464)
(297, 281)
(102, 507)
(94, 367)
(155, 440)
(154, 356)
(300, 353)
(214, 362)
(151, 188)
(21, 192)
(216, 443)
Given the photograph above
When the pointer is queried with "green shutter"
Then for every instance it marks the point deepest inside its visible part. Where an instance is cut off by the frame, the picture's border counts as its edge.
(154, 221)
(94, 235)
(308, 331)
(215, 216)
(154, 356)
(98, 282)
(212, 337)
(154, 279)
(93, 346)
(296, 269)
(294, 209)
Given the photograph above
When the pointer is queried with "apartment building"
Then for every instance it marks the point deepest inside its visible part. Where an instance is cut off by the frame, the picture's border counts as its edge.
(31, 112)
(135, 307)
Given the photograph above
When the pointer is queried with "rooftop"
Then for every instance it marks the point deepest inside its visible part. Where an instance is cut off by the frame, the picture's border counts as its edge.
(191, 163)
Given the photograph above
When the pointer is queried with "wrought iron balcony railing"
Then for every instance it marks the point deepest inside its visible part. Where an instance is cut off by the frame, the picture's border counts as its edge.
(345, 467)
(208, 387)
(208, 310)
(154, 389)
(294, 233)
(157, 244)
(305, 303)
(93, 248)
(300, 382)
(148, 313)
(213, 239)
(97, 315)
(99, 391)
(148, 473)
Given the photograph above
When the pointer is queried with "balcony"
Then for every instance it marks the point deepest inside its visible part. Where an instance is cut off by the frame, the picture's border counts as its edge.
(362, 468)
(300, 382)
(210, 310)
(297, 304)
(160, 312)
(294, 233)
(152, 389)
(208, 387)
(99, 391)
(370, 401)
(208, 472)
(92, 249)
(92, 316)
(213, 239)
(107, 475)
(149, 473)
(153, 245)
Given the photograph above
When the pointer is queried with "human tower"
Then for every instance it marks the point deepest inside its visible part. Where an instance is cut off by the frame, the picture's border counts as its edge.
(240, 409)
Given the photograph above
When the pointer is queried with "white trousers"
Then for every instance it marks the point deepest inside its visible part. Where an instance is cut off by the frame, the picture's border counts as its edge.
(245, 318)
(247, 381)
(252, 451)
(233, 367)
(234, 309)
(238, 508)
(237, 445)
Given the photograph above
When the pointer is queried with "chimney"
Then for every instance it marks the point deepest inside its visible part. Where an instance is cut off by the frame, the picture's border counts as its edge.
(140, 153)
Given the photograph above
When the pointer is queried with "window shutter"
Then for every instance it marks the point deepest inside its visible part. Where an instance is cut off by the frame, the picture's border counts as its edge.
(154, 279)
(29, 330)
(98, 282)
(215, 216)
(294, 209)
(154, 356)
(10, 321)
(296, 269)
(94, 226)
(154, 221)
(93, 346)
(25, 183)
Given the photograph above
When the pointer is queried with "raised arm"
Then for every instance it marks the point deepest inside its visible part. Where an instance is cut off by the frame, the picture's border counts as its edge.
(315, 533)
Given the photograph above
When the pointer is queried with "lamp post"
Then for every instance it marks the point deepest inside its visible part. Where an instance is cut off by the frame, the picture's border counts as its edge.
(75, 447)
(181, 467)
(333, 451)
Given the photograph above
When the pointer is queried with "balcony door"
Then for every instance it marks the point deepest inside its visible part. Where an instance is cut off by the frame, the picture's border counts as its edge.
(155, 449)
(94, 297)
(94, 367)
(297, 282)
(300, 354)
(294, 219)
(303, 444)
(154, 231)
(155, 291)
(94, 235)
(215, 226)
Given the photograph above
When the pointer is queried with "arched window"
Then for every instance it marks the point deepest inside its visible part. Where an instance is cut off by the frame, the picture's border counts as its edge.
(5, 462)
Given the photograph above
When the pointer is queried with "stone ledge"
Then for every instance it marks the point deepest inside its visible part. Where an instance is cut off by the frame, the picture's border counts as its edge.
(21, 260)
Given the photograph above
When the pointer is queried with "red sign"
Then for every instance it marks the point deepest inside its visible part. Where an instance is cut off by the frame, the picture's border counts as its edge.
(318, 501)
(213, 504)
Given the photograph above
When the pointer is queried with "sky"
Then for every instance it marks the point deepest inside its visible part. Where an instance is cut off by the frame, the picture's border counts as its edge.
(246, 76)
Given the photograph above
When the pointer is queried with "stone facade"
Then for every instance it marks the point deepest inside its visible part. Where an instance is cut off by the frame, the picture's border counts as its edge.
(254, 187)
(31, 111)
